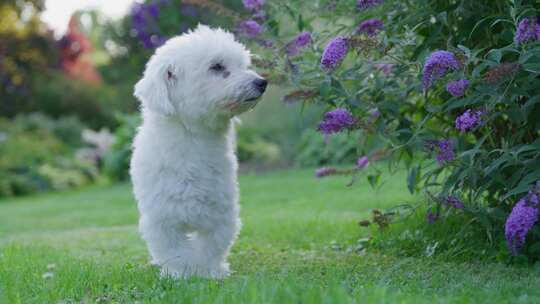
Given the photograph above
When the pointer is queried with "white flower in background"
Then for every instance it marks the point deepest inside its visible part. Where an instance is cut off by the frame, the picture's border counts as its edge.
(100, 143)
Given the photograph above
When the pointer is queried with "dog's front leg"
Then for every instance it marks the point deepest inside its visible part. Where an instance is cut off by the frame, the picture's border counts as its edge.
(169, 245)
(213, 245)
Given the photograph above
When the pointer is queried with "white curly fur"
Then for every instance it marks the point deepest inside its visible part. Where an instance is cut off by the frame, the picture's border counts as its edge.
(184, 164)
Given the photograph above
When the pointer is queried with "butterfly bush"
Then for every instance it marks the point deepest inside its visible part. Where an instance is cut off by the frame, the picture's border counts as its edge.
(336, 121)
(468, 120)
(522, 218)
(455, 104)
(254, 5)
(528, 30)
(454, 202)
(301, 41)
(325, 171)
(370, 27)
(438, 64)
(334, 52)
(143, 18)
(362, 162)
(444, 148)
(251, 28)
(457, 88)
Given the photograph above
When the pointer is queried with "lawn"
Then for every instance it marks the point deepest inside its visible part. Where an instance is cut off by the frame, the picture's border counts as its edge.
(295, 247)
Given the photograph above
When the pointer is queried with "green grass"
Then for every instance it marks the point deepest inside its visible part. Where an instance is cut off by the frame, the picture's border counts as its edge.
(84, 246)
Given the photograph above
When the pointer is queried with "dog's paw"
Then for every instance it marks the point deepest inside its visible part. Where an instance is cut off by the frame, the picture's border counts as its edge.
(196, 271)
(220, 272)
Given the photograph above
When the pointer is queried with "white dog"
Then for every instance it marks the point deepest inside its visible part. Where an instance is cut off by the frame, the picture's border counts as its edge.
(184, 164)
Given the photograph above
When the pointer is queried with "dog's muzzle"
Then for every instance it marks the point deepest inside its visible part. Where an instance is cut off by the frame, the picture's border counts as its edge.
(259, 85)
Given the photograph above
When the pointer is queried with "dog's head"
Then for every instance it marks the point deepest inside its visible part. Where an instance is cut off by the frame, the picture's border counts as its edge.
(204, 74)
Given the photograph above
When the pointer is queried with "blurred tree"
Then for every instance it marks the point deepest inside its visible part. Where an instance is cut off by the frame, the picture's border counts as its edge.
(75, 48)
(26, 47)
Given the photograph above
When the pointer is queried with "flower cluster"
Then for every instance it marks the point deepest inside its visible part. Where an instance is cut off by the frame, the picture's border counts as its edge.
(366, 4)
(528, 30)
(253, 5)
(301, 41)
(370, 27)
(143, 19)
(362, 162)
(522, 218)
(457, 88)
(454, 202)
(334, 53)
(336, 121)
(374, 114)
(325, 171)
(444, 148)
(431, 217)
(437, 65)
(385, 68)
(250, 28)
(468, 120)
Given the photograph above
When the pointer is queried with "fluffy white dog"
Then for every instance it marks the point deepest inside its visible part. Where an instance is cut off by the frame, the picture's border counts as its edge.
(184, 164)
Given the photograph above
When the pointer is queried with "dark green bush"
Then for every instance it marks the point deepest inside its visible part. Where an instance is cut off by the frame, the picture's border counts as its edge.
(116, 161)
(251, 146)
(316, 150)
(56, 96)
(38, 154)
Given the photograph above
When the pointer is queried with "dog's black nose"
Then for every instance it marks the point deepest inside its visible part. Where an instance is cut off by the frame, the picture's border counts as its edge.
(260, 84)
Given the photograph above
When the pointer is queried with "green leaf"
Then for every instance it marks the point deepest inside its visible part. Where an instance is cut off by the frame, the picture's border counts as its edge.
(413, 178)
(374, 179)
(495, 55)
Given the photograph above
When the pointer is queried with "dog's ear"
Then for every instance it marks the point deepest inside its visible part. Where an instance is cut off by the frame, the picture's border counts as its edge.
(153, 89)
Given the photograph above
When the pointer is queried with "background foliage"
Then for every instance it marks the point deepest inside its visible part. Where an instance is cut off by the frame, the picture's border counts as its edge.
(479, 170)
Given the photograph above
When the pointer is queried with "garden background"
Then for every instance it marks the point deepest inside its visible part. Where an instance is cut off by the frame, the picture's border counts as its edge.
(394, 158)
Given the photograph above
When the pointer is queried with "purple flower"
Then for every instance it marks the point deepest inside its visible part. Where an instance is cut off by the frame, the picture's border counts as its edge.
(375, 114)
(437, 65)
(301, 41)
(445, 150)
(431, 217)
(365, 4)
(468, 120)
(325, 171)
(385, 68)
(253, 5)
(143, 20)
(370, 27)
(457, 88)
(362, 162)
(454, 202)
(251, 28)
(267, 43)
(528, 30)
(334, 53)
(259, 16)
(522, 218)
(336, 121)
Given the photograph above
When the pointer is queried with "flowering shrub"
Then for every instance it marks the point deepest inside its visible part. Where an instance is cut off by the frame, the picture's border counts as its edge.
(450, 90)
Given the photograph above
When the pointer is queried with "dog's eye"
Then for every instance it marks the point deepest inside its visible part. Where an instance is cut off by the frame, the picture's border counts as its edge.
(217, 67)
